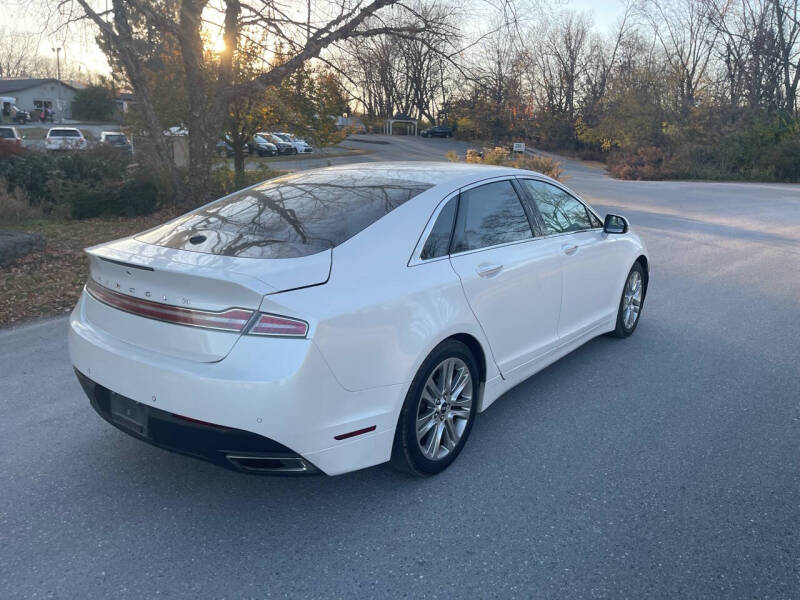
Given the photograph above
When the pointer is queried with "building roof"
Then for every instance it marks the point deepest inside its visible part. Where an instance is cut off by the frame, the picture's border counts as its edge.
(19, 84)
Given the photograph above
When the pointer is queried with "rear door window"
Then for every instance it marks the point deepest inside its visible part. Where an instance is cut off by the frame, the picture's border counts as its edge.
(292, 216)
(489, 215)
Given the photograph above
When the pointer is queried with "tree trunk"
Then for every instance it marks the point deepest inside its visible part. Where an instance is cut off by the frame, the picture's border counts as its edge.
(238, 158)
(125, 51)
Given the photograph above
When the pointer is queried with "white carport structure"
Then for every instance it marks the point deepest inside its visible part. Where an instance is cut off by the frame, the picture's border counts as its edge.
(387, 129)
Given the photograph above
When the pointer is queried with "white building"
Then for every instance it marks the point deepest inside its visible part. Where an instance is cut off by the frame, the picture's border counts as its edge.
(35, 94)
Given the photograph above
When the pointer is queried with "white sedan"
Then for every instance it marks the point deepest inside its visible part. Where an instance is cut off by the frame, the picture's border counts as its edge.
(340, 318)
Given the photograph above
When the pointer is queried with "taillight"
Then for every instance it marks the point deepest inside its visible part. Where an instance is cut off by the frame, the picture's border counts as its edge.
(233, 319)
(282, 326)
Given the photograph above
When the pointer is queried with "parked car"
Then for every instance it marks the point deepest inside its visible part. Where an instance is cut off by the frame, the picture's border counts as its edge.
(284, 147)
(260, 144)
(116, 139)
(300, 145)
(334, 319)
(224, 147)
(442, 131)
(12, 111)
(20, 116)
(10, 135)
(65, 138)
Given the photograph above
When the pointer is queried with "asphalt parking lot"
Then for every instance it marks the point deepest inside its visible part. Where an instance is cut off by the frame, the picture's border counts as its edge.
(663, 465)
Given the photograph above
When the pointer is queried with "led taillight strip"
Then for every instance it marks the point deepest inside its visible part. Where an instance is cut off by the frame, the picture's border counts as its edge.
(232, 319)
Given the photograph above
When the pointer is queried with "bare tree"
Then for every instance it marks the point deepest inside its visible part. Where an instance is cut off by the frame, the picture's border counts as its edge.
(787, 25)
(131, 29)
(19, 53)
(686, 34)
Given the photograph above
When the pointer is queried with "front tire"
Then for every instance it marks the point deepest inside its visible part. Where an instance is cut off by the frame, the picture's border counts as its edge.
(631, 302)
(438, 412)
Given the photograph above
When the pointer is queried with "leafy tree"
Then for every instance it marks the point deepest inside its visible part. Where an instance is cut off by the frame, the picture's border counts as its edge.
(93, 103)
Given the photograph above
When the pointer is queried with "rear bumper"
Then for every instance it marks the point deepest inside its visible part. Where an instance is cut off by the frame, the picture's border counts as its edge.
(224, 446)
(278, 390)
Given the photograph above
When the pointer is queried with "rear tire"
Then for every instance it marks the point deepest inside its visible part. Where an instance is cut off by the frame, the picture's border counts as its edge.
(631, 302)
(438, 412)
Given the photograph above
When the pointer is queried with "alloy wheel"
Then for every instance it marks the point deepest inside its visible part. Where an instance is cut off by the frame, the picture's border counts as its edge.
(444, 408)
(632, 299)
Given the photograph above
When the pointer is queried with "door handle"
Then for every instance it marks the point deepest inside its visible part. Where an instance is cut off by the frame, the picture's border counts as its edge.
(488, 270)
(570, 249)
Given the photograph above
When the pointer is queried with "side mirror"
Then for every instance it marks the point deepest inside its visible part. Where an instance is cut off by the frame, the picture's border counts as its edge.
(615, 224)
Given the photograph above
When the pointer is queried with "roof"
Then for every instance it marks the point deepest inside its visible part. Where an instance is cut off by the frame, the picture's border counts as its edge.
(19, 84)
(432, 172)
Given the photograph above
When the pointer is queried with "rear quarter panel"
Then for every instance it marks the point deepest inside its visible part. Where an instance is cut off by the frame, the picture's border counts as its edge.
(378, 318)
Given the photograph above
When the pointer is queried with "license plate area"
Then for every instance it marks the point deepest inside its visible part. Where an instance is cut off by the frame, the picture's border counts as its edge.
(129, 414)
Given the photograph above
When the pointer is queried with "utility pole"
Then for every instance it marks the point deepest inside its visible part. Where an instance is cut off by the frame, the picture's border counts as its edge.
(58, 75)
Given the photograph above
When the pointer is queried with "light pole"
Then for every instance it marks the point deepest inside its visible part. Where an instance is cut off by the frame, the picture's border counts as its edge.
(58, 75)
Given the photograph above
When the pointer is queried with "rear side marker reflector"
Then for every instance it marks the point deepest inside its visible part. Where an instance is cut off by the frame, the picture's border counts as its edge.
(232, 319)
(344, 436)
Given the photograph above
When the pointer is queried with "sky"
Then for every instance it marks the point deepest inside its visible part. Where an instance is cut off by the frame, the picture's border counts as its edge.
(83, 56)
(605, 12)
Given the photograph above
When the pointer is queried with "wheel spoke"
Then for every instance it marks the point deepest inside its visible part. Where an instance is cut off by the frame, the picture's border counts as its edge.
(465, 401)
(461, 382)
(435, 441)
(431, 388)
(452, 435)
(447, 384)
(424, 425)
(459, 413)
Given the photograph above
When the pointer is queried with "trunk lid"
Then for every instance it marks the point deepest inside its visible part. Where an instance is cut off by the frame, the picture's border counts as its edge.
(161, 278)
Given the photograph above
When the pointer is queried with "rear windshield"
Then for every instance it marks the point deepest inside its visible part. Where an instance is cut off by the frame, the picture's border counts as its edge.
(116, 139)
(292, 216)
(7, 133)
(64, 133)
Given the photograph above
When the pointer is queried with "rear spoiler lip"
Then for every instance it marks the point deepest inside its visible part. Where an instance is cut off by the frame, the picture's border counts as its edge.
(125, 264)
(263, 275)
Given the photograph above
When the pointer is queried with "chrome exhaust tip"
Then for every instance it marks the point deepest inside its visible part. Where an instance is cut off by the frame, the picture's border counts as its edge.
(275, 464)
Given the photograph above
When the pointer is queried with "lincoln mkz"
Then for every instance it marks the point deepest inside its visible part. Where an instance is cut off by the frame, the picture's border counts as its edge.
(339, 318)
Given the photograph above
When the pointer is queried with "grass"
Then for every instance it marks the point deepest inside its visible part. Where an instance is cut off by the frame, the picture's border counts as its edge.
(48, 282)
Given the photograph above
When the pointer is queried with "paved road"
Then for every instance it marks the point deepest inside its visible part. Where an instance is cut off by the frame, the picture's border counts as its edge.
(664, 465)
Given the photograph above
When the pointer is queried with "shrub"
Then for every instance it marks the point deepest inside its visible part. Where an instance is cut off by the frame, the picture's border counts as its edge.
(223, 179)
(86, 184)
(86, 199)
(10, 149)
(642, 163)
(502, 156)
(42, 175)
(542, 164)
(132, 198)
(496, 156)
(473, 156)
